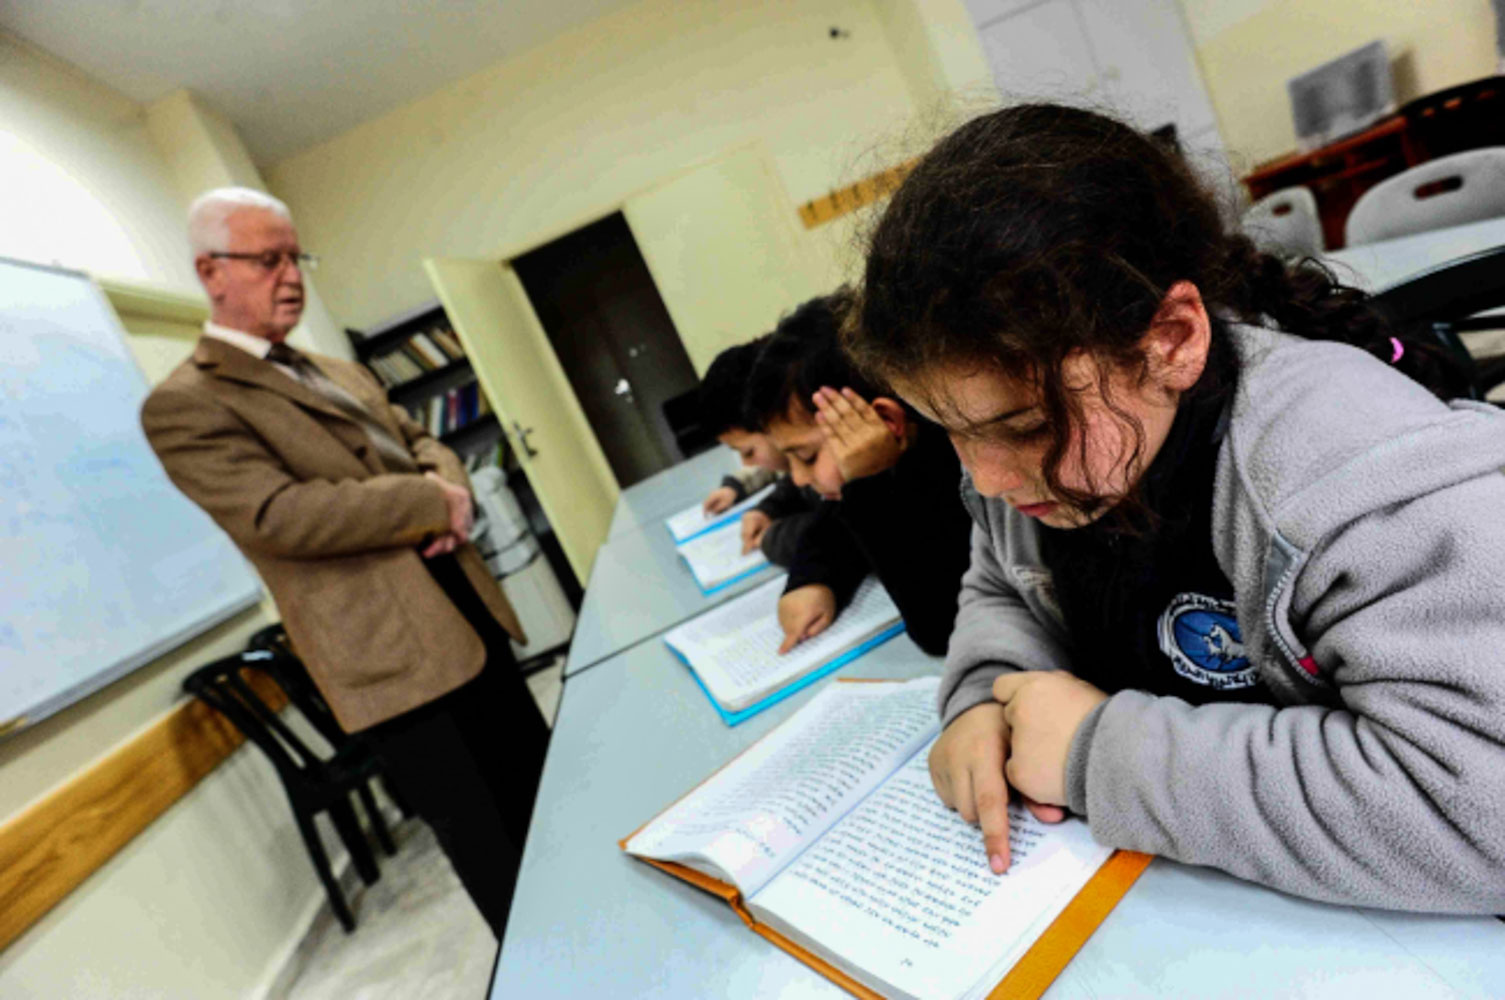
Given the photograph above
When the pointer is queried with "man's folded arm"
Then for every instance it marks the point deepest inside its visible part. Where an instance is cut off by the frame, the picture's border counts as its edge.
(225, 468)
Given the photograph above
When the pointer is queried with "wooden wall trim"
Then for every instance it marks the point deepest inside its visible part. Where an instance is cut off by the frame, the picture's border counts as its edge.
(50, 848)
(842, 201)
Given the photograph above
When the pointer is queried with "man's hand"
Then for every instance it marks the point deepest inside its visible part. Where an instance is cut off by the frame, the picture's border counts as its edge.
(860, 441)
(966, 767)
(805, 612)
(1043, 709)
(754, 525)
(443, 545)
(461, 511)
(720, 499)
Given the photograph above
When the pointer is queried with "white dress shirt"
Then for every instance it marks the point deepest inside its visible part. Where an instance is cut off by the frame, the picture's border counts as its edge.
(253, 345)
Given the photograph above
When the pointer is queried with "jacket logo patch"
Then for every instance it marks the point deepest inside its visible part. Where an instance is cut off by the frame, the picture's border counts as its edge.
(1201, 636)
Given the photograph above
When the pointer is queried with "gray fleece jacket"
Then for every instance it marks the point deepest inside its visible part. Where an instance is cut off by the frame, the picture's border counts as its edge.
(1362, 525)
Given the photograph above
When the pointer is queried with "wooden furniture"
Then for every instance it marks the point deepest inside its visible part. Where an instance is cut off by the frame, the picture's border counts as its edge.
(1463, 117)
(1340, 172)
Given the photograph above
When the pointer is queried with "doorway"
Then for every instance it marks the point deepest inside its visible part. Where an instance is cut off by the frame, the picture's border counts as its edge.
(612, 333)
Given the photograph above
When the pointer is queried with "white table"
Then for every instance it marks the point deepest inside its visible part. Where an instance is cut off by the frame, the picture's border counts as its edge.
(671, 491)
(639, 588)
(636, 734)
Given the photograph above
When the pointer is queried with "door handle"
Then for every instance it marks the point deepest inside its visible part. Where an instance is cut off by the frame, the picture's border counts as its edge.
(520, 435)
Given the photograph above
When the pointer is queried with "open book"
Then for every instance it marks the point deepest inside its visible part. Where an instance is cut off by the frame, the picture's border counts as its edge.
(733, 650)
(694, 521)
(828, 840)
(715, 558)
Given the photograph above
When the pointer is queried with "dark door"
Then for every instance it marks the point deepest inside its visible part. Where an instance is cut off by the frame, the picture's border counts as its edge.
(597, 302)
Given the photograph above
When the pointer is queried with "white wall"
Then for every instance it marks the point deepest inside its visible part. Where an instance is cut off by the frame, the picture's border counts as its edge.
(206, 902)
(538, 144)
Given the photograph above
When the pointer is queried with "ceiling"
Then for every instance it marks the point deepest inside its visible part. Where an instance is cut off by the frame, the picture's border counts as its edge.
(290, 73)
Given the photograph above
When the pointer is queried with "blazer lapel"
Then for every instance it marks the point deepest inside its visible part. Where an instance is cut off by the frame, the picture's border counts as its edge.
(232, 363)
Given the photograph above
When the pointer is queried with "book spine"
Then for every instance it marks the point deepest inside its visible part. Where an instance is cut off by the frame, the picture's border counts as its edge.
(417, 357)
(429, 350)
(450, 343)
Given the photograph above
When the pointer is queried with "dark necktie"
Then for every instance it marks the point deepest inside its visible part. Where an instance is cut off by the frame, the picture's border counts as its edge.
(394, 456)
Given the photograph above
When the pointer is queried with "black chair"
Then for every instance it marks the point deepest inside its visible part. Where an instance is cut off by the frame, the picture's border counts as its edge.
(300, 689)
(313, 784)
(683, 415)
(1445, 301)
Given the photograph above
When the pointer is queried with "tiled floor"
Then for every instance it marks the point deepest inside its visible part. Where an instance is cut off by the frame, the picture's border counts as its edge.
(418, 936)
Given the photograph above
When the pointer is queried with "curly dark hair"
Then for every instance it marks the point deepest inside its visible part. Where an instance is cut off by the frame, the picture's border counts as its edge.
(1040, 230)
(802, 354)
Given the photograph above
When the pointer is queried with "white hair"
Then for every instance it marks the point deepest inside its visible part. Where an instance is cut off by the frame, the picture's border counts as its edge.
(209, 215)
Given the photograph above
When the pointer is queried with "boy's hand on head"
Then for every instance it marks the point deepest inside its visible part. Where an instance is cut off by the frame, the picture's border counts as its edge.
(1042, 709)
(805, 612)
(754, 525)
(861, 442)
(720, 499)
(966, 767)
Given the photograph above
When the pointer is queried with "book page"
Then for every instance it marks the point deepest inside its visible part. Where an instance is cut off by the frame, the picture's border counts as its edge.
(716, 557)
(759, 812)
(735, 647)
(693, 520)
(899, 893)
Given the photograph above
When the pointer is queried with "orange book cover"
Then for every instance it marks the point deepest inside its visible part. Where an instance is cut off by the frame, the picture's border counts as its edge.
(1026, 980)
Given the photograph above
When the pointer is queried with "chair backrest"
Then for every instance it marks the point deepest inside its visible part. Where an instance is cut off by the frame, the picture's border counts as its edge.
(1285, 222)
(1450, 191)
(1444, 301)
(221, 685)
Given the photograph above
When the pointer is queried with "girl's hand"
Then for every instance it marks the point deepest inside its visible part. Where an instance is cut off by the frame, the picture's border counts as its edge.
(805, 612)
(1042, 709)
(720, 499)
(755, 525)
(966, 767)
(861, 442)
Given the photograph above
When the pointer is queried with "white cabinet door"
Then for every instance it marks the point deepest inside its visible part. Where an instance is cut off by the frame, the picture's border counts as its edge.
(1145, 63)
(522, 377)
(1041, 53)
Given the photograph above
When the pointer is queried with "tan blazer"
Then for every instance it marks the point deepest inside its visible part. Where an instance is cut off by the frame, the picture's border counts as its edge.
(334, 534)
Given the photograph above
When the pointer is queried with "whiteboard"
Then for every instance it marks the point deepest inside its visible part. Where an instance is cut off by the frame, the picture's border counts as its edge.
(104, 565)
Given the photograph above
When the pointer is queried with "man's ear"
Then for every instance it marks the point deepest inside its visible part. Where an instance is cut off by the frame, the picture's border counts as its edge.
(892, 413)
(1179, 338)
(207, 269)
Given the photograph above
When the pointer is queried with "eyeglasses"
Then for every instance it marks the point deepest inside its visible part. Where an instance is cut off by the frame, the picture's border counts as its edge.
(274, 260)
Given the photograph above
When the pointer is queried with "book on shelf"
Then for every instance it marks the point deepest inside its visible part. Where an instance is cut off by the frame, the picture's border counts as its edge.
(716, 560)
(448, 343)
(694, 521)
(405, 367)
(828, 840)
(413, 354)
(733, 649)
(428, 350)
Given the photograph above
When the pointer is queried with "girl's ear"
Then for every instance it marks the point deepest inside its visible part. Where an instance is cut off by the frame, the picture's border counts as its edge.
(891, 412)
(1179, 338)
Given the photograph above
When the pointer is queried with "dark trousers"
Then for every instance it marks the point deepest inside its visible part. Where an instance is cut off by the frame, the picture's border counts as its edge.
(469, 761)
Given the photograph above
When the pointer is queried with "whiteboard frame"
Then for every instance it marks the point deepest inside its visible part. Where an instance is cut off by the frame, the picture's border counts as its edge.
(233, 605)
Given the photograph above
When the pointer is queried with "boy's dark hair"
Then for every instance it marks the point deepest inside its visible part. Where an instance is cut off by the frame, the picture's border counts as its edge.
(802, 354)
(720, 395)
(1040, 230)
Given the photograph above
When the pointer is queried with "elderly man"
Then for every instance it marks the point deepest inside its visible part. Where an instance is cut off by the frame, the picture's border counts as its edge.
(357, 521)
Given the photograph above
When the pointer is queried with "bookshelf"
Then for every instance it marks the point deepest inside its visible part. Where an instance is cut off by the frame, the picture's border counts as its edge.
(420, 362)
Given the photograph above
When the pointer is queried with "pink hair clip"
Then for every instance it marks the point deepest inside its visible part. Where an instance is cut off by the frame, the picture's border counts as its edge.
(1397, 349)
